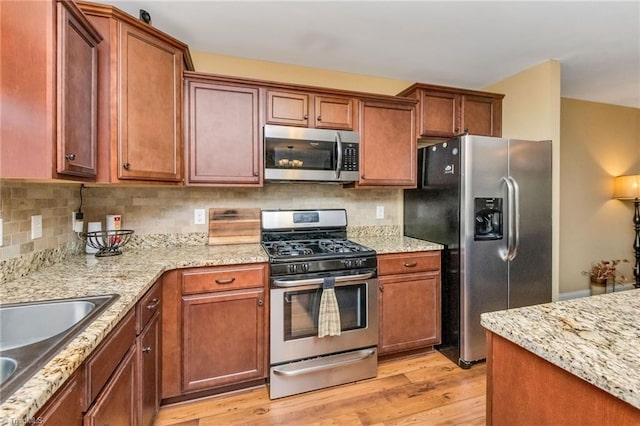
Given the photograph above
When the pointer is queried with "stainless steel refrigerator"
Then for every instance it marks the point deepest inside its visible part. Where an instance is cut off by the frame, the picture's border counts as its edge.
(488, 201)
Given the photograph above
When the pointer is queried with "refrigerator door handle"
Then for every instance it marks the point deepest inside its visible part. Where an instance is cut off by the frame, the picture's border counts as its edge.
(516, 218)
(510, 233)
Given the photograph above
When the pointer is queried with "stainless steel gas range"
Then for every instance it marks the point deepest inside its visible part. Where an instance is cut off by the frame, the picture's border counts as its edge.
(307, 249)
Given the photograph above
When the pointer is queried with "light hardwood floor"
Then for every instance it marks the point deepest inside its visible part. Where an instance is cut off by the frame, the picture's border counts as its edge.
(421, 390)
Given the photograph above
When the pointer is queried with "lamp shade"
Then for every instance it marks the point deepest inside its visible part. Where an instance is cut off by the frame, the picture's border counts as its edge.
(627, 187)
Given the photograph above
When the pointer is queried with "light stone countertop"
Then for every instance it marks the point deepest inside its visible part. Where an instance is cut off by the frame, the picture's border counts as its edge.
(395, 244)
(595, 338)
(129, 275)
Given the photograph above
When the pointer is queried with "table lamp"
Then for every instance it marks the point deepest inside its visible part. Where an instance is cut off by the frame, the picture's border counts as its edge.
(628, 188)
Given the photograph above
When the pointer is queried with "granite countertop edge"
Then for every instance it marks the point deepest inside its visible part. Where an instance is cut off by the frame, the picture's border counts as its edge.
(129, 275)
(593, 338)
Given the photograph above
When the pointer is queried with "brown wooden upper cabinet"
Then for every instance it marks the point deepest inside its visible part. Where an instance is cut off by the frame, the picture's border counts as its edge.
(222, 132)
(49, 91)
(387, 143)
(311, 110)
(140, 98)
(446, 111)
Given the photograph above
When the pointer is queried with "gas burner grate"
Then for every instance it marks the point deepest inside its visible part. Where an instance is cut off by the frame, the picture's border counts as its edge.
(333, 246)
(284, 248)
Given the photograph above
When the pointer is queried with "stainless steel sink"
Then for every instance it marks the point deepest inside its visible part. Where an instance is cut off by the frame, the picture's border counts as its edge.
(7, 368)
(32, 333)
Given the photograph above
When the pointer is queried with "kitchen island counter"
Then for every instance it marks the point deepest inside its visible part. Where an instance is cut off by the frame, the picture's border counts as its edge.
(594, 338)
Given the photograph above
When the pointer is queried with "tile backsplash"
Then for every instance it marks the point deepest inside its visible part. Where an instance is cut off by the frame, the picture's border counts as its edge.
(162, 210)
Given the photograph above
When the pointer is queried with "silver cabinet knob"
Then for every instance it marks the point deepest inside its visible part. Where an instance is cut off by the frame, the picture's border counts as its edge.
(70, 156)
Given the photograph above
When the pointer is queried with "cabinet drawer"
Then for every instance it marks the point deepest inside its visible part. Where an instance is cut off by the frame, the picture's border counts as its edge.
(404, 263)
(103, 363)
(204, 280)
(148, 306)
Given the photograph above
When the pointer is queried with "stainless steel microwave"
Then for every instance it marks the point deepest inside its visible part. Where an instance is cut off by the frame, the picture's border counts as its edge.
(313, 155)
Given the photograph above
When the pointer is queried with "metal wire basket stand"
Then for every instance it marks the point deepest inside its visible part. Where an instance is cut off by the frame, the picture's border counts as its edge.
(108, 243)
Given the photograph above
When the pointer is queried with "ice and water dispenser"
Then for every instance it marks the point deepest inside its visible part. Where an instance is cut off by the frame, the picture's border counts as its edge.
(488, 219)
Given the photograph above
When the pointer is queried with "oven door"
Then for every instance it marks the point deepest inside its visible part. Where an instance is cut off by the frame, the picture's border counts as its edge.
(294, 318)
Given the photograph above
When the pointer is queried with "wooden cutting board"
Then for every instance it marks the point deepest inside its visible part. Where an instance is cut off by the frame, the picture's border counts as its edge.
(234, 226)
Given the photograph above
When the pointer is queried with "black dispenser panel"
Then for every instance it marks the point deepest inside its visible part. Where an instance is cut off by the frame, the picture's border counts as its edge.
(488, 219)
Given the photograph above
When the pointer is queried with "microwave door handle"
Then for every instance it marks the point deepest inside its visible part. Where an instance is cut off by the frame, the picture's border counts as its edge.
(339, 161)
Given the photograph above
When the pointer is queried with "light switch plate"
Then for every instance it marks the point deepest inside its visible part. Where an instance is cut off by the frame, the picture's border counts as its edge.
(36, 226)
(379, 212)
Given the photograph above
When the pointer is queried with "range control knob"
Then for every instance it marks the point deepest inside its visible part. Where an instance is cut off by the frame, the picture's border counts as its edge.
(359, 263)
(348, 263)
(304, 267)
(292, 268)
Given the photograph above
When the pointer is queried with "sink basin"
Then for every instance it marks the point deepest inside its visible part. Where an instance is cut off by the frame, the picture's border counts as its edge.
(32, 333)
(22, 325)
(7, 368)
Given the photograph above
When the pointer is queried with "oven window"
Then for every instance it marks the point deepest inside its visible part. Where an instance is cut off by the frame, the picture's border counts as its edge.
(299, 154)
(301, 310)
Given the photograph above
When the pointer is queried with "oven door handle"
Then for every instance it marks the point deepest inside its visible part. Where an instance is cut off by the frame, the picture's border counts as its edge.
(319, 281)
(347, 359)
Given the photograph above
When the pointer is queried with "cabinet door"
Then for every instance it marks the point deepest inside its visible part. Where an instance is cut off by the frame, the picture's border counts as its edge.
(223, 338)
(482, 115)
(77, 81)
(116, 404)
(439, 113)
(223, 134)
(149, 372)
(287, 108)
(65, 408)
(387, 144)
(409, 311)
(334, 113)
(150, 95)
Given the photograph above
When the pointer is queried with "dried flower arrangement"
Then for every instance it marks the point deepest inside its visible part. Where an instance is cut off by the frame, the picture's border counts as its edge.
(605, 270)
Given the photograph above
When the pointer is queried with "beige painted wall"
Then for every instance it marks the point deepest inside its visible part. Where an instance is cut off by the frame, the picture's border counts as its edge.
(531, 110)
(273, 71)
(599, 142)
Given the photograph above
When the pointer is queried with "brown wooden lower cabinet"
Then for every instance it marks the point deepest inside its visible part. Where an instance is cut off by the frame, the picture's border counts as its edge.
(149, 358)
(409, 301)
(116, 404)
(223, 338)
(214, 330)
(524, 389)
(65, 408)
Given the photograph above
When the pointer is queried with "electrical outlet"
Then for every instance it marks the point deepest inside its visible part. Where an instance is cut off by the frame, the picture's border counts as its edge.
(379, 212)
(199, 217)
(77, 224)
(36, 226)
(1, 233)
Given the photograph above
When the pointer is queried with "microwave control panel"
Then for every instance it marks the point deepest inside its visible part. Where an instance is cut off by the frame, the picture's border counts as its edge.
(350, 157)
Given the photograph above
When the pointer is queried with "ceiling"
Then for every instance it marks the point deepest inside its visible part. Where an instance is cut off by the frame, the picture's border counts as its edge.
(469, 44)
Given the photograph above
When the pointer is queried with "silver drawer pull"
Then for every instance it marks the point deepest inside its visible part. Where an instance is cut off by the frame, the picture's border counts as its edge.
(154, 304)
(410, 265)
(226, 281)
(146, 349)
